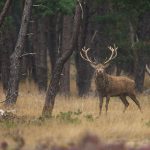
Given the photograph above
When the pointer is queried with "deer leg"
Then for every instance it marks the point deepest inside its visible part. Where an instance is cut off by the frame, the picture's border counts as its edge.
(133, 97)
(107, 102)
(125, 102)
(100, 104)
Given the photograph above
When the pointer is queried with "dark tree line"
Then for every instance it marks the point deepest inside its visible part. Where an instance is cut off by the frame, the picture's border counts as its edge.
(56, 29)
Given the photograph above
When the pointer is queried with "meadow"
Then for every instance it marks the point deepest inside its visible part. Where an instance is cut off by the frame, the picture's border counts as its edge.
(73, 117)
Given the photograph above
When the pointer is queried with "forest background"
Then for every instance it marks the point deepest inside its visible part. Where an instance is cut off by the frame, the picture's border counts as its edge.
(104, 23)
(56, 27)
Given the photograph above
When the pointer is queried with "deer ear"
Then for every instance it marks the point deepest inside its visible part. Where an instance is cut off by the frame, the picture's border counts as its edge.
(106, 65)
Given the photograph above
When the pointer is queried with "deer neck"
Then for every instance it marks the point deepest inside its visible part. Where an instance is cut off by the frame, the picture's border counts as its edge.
(101, 82)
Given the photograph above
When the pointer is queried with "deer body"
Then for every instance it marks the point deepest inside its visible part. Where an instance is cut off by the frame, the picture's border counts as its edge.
(108, 85)
(114, 86)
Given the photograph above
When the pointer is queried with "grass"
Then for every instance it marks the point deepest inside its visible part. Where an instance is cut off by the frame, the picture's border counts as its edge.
(74, 117)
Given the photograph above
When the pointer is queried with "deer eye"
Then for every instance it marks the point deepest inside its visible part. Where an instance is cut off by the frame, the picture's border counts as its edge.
(100, 70)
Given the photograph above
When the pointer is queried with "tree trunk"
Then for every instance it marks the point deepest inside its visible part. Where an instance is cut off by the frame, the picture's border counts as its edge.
(65, 78)
(55, 80)
(12, 94)
(144, 38)
(41, 57)
(140, 74)
(51, 35)
(84, 73)
(4, 11)
(5, 69)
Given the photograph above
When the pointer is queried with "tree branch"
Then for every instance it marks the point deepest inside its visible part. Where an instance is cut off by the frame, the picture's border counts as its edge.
(4, 11)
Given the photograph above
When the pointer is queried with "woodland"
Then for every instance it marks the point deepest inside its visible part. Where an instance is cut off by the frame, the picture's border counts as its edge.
(40, 44)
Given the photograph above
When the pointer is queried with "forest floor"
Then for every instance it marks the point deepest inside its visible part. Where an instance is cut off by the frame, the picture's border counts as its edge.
(74, 117)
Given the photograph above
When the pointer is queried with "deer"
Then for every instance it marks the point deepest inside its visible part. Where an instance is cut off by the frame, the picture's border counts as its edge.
(110, 85)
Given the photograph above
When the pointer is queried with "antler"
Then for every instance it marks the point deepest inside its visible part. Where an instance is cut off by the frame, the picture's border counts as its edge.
(147, 69)
(86, 57)
(113, 53)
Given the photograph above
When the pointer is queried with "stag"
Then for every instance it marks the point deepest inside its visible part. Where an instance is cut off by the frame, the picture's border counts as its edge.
(108, 85)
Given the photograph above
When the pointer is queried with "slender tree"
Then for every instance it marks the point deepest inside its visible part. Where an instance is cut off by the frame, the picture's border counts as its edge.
(15, 58)
(55, 80)
(84, 73)
(41, 56)
(65, 78)
(4, 11)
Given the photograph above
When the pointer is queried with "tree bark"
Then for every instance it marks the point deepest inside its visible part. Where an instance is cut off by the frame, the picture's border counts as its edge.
(140, 74)
(12, 94)
(4, 11)
(5, 67)
(144, 38)
(84, 73)
(55, 80)
(65, 78)
(41, 56)
(51, 35)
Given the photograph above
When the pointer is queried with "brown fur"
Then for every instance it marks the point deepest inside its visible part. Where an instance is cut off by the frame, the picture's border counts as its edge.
(108, 86)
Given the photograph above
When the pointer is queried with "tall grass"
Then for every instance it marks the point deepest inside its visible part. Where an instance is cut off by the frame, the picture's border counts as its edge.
(131, 126)
(73, 117)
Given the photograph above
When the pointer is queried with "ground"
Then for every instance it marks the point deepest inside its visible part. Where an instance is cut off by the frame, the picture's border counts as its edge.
(74, 117)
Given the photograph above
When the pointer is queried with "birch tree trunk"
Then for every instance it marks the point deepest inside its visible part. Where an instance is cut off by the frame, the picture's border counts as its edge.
(13, 84)
(55, 80)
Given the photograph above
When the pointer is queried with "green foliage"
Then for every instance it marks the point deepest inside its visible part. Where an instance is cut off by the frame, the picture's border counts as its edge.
(89, 117)
(7, 23)
(8, 124)
(69, 117)
(116, 17)
(8, 19)
(66, 6)
(73, 117)
(132, 9)
(136, 4)
(51, 7)
(2, 2)
(143, 47)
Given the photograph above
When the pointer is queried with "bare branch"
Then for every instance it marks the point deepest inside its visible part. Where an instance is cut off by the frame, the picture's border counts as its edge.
(81, 8)
(26, 54)
(36, 5)
(93, 37)
(30, 34)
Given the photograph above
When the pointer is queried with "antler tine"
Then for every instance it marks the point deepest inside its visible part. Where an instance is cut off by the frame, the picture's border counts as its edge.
(113, 53)
(86, 57)
(114, 50)
(147, 69)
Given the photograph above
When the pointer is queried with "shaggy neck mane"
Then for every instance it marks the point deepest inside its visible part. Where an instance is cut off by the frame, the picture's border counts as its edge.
(101, 81)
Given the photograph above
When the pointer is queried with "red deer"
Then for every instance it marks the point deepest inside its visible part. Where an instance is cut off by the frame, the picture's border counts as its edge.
(108, 85)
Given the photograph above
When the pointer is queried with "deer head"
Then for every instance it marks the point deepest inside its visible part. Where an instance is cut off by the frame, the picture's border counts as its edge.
(99, 67)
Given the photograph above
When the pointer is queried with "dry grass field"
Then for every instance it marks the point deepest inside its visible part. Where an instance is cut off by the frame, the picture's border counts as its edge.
(74, 117)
